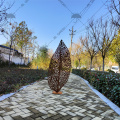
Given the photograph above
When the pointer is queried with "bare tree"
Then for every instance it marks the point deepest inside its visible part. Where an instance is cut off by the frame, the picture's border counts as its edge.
(104, 35)
(115, 7)
(91, 47)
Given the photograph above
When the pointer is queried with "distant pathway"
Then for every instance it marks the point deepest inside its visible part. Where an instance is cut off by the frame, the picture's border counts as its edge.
(36, 102)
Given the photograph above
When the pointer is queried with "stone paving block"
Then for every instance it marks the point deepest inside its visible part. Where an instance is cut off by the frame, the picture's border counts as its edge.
(25, 110)
(86, 118)
(4, 106)
(7, 109)
(38, 118)
(18, 118)
(33, 110)
(65, 110)
(1, 118)
(90, 112)
(67, 117)
(118, 118)
(70, 113)
(96, 118)
(57, 109)
(52, 112)
(43, 111)
(9, 113)
(8, 118)
(90, 115)
(99, 111)
(81, 111)
(49, 119)
(25, 115)
(17, 110)
(17, 114)
(75, 118)
(107, 112)
(14, 103)
(80, 114)
(36, 115)
(13, 106)
(44, 117)
(29, 118)
(47, 116)
(2, 111)
(63, 113)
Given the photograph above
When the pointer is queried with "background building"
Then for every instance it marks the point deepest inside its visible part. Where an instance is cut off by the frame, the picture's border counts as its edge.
(15, 56)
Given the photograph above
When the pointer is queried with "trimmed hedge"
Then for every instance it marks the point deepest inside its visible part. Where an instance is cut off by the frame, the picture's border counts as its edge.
(12, 79)
(106, 83)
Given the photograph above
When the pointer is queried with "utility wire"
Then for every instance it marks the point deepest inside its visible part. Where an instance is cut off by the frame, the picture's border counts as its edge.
(87, 7)
(82, 12)
(65, 6)
(64, 29)
(95, 14)
(97, 11)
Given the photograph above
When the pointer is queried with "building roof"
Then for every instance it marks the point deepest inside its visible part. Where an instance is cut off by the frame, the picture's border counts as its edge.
(9, 48)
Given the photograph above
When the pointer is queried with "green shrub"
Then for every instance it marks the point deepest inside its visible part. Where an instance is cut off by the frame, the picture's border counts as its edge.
(108, 83)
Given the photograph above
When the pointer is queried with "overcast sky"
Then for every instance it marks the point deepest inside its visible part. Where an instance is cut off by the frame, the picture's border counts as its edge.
(50, 20)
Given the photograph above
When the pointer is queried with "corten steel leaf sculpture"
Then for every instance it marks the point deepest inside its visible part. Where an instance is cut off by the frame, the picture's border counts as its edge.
(59, 68)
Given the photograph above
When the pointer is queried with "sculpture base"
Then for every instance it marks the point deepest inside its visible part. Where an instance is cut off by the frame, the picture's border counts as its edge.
(54, 92)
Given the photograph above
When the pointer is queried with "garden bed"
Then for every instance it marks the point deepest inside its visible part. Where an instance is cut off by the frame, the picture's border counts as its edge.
(14, 78)
(106, 83)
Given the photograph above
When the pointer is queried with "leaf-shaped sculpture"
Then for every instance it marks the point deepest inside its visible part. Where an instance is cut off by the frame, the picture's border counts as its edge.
(59, 68)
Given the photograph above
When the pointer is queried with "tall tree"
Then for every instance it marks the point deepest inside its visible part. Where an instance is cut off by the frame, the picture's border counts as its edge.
(33, 45)
(22, 36)
(91, 47)
(104, 36)
(28, 41)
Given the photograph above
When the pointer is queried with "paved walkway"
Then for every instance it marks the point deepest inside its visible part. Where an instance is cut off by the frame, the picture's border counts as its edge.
(36, 102)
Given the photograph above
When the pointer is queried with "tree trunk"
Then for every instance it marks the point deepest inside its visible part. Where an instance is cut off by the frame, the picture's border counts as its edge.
(79, 63)
(21, 56)
(9, 56)
(10, 51)
(33, 54)
(25, 55)
(119, 67)
(13, 52)
(99, 68)
(103, 61)
(91, 63)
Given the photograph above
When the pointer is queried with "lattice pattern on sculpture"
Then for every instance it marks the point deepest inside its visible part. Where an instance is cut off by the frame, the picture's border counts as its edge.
(59, 68)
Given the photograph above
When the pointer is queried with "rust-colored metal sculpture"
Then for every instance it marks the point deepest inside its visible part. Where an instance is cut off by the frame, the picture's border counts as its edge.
(59, 68)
